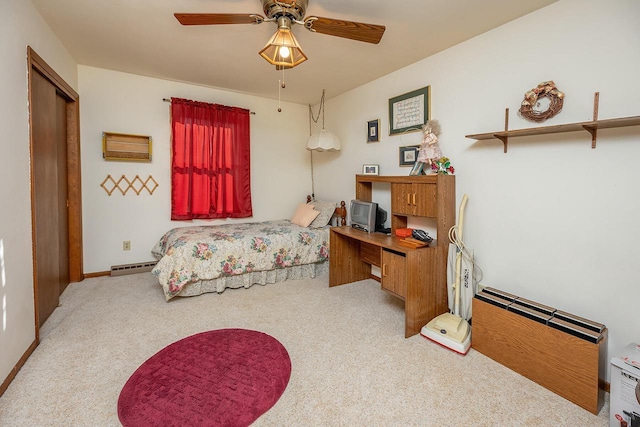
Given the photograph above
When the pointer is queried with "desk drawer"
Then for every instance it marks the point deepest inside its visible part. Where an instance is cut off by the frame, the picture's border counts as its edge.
(370, 253)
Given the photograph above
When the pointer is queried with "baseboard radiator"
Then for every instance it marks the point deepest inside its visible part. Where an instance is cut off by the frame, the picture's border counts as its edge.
(121, 270)
(560, 351)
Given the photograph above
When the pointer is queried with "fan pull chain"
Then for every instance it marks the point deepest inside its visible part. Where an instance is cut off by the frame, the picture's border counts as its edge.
(281, 84)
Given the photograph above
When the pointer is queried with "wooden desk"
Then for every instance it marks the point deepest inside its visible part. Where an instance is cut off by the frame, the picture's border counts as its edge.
(413, 275)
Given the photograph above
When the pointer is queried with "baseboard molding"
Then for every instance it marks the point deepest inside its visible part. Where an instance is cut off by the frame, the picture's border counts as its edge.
(97, 274)
(19, 365)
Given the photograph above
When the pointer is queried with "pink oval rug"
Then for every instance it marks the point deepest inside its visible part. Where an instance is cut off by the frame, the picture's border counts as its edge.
(227, 377)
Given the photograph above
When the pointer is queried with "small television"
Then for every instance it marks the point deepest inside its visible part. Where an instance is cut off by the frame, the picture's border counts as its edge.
(367, 216)
(363, 215)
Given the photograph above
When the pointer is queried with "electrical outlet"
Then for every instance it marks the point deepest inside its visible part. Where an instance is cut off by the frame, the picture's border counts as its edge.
(126, 245)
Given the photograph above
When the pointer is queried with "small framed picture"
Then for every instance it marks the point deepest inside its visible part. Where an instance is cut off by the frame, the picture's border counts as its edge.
(418, 168)
(373, 128)
(409, 155)
(370, 170)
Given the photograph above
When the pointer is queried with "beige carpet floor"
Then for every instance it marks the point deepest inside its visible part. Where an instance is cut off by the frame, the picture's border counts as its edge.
(351, 365)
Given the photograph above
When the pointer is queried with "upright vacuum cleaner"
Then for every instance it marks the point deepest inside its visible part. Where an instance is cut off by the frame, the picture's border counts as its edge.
(451, 330)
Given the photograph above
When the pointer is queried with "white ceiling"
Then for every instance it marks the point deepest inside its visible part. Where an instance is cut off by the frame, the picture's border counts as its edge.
(143, 37)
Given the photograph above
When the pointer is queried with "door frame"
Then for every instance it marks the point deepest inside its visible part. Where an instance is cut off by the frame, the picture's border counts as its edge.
(74, 190)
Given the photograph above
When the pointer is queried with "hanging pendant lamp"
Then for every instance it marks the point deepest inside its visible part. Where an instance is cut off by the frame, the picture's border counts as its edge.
(320, 141)
(324, 140)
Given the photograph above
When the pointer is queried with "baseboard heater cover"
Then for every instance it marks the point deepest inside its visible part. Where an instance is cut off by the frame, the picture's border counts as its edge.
(540, 308)
(493, 299)
(498, 293)
(580, 321)
(142, 267)
(575, 330)
(561, 320)
(530, 313)
(558, 350)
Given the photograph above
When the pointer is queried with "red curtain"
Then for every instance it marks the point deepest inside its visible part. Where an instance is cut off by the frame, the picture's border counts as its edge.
(210, 161)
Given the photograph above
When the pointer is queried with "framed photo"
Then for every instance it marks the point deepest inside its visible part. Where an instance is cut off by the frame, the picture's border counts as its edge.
(409, 111)
(370, 170)
(418, 168)
(409, 155)
(373, 128)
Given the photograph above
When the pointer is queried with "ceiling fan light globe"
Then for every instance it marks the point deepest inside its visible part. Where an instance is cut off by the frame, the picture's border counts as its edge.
(283, 40)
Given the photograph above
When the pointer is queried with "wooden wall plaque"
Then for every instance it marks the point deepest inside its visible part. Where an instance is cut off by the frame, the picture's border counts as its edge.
(120, 146)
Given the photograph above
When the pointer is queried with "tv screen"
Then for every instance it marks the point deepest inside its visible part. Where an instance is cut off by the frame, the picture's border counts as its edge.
(363, 215)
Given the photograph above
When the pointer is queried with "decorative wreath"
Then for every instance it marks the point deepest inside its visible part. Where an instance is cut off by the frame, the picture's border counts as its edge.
(543, 90)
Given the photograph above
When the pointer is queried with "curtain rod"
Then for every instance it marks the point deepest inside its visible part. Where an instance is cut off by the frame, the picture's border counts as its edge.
(168, 100)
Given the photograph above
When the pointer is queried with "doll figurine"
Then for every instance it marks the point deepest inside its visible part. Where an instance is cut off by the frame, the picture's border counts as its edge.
(429, 149)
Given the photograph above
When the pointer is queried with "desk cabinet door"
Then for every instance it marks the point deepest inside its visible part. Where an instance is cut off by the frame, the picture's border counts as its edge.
(414, 199)
(394, 273)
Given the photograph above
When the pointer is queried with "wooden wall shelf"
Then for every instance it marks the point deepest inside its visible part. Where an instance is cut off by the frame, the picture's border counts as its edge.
(589, 126)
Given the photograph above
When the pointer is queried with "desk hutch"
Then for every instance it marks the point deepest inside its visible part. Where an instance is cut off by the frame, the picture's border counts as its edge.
(417, 276)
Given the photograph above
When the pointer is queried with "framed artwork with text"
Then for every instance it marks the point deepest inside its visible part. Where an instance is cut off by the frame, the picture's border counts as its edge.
(409, 111)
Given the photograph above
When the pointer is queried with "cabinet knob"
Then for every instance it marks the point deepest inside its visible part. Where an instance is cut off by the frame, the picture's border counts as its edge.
(384, 270)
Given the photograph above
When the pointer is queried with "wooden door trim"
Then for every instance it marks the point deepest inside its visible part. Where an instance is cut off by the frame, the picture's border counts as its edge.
(39, 64)
(35, 62)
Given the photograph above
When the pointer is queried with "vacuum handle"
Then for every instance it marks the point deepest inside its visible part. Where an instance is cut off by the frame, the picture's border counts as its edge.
(461, 216)
(456, 298)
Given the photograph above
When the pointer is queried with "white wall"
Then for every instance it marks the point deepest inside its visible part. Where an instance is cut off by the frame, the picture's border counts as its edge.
(125, 103)
(552, 220)
(20, 25)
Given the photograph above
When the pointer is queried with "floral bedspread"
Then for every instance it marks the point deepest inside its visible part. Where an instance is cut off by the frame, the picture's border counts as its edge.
(190, 254)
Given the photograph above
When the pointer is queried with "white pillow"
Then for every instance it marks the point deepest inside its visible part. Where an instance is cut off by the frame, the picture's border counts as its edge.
(326, 212)
(304, 215)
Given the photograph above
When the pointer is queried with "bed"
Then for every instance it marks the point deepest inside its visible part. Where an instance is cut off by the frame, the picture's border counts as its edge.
(210, 258)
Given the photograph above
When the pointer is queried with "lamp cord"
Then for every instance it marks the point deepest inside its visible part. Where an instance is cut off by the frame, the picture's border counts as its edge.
(313, 187)
(315, 120)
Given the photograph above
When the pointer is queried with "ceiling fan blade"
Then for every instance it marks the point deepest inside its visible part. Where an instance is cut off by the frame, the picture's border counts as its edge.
(369, 33)
(217, 18)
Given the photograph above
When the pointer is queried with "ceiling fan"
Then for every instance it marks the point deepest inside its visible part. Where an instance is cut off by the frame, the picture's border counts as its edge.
(283, 50)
